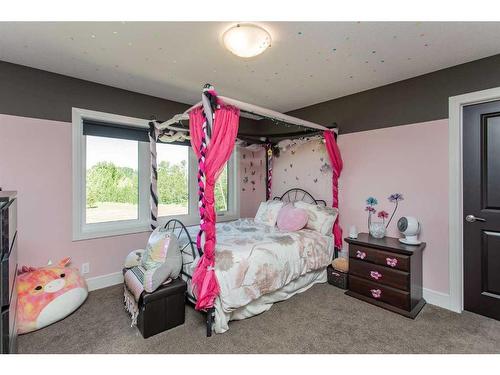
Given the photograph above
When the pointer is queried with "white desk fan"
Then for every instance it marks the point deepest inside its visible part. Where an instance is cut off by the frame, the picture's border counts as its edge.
(410, 227)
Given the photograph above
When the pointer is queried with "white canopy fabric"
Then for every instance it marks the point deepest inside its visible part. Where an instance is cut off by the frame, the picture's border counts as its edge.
(249, 108)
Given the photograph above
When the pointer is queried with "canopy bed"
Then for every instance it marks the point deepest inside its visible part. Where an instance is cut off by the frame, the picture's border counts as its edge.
(228, 284)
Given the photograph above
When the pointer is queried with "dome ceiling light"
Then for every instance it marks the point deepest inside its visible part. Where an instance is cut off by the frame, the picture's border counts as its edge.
(246, 40)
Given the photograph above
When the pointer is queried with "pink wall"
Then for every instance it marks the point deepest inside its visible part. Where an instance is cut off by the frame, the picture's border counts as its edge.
(306, 167)
(35, 160)
(411, 159)
(252, 184)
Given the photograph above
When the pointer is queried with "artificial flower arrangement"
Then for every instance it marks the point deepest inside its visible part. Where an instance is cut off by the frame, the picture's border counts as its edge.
(378, 229)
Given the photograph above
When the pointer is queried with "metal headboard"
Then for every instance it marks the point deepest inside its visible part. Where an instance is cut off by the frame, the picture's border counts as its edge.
(187, 245)
(298, 194)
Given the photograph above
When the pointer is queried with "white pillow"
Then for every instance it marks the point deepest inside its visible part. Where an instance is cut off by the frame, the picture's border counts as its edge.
(321, 219)
(268, 212)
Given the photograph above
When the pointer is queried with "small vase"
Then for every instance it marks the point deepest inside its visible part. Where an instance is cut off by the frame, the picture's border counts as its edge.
(377, 229)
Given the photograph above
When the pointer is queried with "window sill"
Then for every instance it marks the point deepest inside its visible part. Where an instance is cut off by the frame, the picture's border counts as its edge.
(123, 229)
(117, 230)
(190, 221)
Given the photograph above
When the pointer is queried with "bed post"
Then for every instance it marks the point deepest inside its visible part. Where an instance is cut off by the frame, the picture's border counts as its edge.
(210, 321)
(335, 128)
(269, 169)
(201, 120)
(337, 165)
(153, 199)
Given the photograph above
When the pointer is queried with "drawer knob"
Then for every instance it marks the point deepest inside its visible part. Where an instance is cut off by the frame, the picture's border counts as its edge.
(375, 275)
(391, 262)
(360, 254)
(376, 293)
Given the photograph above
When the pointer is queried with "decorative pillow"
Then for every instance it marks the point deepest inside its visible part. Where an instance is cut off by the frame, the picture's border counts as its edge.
(321, 219)
(162, 259)
(268, 212)
(291, 218)
(134, 258)
(341, 264)
(160, 242)
(47, 294)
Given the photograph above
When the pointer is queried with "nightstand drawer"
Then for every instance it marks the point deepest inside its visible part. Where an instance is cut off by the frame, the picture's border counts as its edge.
(379, 292)
(373, 272)
(384, 258)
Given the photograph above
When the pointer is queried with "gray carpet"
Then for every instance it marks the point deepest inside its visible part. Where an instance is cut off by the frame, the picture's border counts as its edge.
(321, 320)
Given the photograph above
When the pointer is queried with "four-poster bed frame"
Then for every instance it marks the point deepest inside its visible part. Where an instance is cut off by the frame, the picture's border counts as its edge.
(190, 251)
(213, 129)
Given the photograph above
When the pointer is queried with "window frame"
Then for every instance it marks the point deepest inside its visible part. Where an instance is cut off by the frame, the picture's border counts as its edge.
(83, 231)
(193, 217)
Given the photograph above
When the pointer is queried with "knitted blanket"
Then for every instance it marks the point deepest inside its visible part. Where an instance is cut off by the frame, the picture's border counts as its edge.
(132, 290)
(133, 287)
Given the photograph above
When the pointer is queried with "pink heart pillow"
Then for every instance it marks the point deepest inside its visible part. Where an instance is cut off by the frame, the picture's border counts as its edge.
(292, 219)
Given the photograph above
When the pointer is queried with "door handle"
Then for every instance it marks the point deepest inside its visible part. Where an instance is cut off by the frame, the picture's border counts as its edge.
(472, 218)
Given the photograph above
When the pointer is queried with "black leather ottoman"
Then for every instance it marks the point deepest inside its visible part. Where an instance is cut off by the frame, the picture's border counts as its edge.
(163, 309)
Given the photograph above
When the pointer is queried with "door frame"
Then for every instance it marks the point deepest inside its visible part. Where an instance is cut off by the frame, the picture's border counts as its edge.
(455, 185)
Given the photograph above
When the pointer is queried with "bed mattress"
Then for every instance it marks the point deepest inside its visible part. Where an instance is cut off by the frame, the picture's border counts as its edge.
(255, 263)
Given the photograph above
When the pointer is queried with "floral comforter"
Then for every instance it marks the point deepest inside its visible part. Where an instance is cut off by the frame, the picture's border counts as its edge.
(254, 259)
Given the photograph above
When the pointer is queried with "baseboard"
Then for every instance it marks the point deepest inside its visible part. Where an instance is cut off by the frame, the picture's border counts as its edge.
(437, 298)
(104, 281)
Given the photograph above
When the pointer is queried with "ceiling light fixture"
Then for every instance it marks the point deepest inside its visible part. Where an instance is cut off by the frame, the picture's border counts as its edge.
(246, 40)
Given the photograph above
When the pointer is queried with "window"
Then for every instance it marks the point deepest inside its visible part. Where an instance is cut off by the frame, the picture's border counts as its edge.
(173, 181)
(178, 187)
(111, 178)
(221, 192)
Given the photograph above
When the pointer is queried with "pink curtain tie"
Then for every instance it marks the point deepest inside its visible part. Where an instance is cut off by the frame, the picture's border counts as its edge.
(212, 156)
(337, 165)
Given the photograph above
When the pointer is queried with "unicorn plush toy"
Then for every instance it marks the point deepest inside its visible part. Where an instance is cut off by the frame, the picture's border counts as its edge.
(48, 294)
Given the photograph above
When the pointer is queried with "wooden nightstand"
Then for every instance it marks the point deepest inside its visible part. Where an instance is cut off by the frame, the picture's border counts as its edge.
(386, 273)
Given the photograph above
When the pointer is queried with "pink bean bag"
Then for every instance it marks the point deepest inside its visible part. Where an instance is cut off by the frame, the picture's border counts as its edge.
(48, 294)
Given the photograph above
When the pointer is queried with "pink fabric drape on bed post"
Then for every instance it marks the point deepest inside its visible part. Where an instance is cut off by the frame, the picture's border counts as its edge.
(218, 150)
(337, 164)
